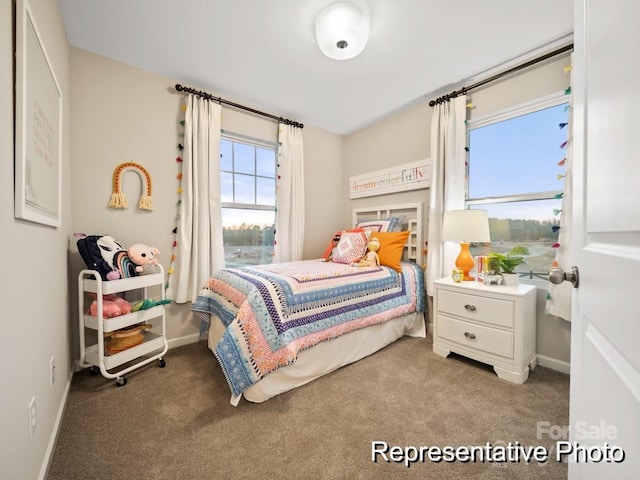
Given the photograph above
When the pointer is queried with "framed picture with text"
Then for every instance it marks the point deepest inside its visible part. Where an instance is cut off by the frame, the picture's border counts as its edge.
(38, 132)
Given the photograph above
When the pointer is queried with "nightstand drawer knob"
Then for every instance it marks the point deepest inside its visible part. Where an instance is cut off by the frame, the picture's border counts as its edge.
(470, 308)
(470, 336)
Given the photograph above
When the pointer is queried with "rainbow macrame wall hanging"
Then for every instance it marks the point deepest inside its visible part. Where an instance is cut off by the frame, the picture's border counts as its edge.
(118, 199)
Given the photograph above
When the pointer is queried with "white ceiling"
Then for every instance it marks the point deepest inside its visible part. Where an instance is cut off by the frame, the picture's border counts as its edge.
(263, 53)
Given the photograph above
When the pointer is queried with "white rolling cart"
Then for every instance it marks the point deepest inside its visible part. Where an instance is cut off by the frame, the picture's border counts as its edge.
(93, 354)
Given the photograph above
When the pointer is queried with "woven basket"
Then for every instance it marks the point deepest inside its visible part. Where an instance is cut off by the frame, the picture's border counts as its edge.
(123, 339)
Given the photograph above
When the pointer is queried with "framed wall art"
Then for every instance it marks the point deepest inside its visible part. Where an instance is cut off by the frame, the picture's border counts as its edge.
(38, 133)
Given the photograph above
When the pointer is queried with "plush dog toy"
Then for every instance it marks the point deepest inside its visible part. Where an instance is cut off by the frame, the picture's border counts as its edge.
(145, 258)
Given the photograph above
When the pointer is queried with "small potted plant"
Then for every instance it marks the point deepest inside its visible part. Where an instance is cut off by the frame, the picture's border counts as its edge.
(508, 263)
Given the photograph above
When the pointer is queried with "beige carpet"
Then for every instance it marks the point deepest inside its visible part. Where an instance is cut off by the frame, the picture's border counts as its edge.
(177, 423)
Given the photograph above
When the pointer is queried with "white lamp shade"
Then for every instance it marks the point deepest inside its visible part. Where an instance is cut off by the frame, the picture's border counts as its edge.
(342, 30)
(465, 226)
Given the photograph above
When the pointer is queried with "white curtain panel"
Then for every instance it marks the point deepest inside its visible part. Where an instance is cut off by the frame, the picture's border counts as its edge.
(199, 252)
(448, 156)
(289, 196)
(559, 297)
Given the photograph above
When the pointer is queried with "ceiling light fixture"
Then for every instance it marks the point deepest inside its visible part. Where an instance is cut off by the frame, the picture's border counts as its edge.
(342, 30)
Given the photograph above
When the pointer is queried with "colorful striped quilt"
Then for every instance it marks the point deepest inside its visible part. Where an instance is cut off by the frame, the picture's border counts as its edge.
(273, 312)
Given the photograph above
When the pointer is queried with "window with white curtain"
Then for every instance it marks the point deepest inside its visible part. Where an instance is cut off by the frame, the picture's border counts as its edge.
(248, 197)
(513, 162)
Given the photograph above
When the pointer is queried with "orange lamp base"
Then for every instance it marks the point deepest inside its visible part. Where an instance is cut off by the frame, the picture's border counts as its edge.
(465, 261)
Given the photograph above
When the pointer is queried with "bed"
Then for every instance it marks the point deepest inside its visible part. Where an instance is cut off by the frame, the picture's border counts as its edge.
(276, 327)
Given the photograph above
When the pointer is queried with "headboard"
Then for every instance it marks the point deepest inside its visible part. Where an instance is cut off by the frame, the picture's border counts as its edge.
(412, 220)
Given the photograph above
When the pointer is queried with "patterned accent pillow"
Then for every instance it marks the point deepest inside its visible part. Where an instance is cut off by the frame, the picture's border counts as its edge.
(351, 247)
(375, 225)
(389, 224)
(395, 224)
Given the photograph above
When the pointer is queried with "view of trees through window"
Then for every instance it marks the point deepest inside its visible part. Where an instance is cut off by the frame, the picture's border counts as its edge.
(513, 168)
(248, 192)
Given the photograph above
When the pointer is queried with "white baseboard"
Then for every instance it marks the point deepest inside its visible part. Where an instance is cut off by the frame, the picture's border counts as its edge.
(554, 364)
(186, 340)
(48, 455)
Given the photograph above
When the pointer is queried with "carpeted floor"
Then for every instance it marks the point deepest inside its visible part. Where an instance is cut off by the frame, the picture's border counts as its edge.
(176, 422)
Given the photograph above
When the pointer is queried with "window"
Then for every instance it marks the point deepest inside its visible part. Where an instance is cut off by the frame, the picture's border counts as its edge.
(248, 197)
(512, 172)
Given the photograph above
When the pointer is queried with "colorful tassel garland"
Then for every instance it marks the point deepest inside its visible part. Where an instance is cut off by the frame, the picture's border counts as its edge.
(558, 195)
(555, 245)
(563, 144)
(562, 162)
(568, 68)
(567, 91)
(555, 228)
(559, 176)
(556, 211)
(548, 296)
(563, 124)
(178, 159)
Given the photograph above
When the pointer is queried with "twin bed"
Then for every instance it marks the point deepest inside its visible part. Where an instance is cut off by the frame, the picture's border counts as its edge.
(275, 327)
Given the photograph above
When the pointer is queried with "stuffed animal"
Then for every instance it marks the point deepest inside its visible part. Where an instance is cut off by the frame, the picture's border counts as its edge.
(328, 253)
(145, 258)
(148, 303)
(371, 259)
(112, 306)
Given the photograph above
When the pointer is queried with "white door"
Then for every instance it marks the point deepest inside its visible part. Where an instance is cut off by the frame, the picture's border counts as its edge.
(605, 356)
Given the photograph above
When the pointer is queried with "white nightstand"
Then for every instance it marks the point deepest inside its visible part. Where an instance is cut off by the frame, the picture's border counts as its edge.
(493, 324)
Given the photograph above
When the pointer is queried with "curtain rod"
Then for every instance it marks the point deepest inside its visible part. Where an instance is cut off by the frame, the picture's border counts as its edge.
(208, 96)
(464, 90)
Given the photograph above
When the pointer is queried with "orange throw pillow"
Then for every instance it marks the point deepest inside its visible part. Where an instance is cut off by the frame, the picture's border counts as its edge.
(391, 247)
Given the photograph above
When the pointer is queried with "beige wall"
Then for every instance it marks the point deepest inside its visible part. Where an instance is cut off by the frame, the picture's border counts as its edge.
(121, 113)
(114, 113)
(34, 293)
(405, 137)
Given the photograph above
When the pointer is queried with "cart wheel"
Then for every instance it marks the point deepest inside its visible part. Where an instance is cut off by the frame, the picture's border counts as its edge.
(162, 363)
(93, 370)
(121, 381)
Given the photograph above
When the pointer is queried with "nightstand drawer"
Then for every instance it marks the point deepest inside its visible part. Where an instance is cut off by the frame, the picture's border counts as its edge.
(477, 337)
(473, 307)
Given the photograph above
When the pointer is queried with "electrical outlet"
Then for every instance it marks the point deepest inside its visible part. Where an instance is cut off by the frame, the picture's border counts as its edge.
(52, 371)
(32, 417)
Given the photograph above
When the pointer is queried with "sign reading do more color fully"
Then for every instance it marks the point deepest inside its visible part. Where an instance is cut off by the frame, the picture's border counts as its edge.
(410, 176)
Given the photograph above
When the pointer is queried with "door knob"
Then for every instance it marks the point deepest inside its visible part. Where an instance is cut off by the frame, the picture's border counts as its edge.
(557, 276)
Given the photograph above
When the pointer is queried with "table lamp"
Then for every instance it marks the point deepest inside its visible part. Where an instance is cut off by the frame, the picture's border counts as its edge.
(465, 226)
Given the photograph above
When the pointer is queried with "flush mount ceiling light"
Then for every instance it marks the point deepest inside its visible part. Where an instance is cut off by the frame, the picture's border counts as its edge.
(342, 30)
